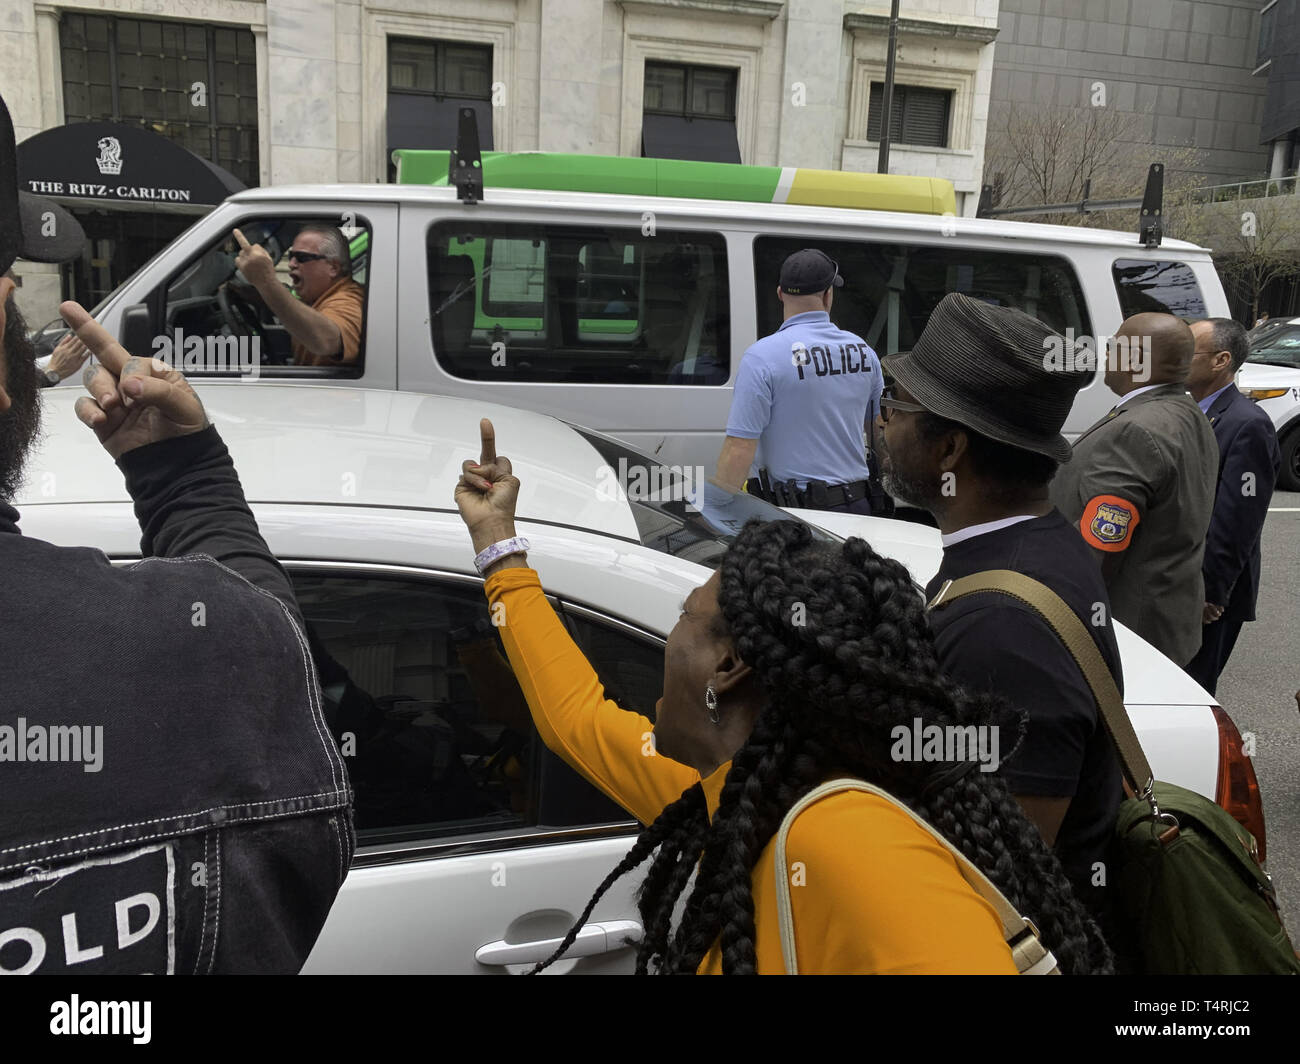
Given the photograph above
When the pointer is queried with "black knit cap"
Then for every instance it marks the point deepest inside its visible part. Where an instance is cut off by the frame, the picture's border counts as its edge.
(986, 367)
(31, 227)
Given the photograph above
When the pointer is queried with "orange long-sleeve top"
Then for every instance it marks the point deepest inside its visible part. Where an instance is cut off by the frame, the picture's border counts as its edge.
(871, 893)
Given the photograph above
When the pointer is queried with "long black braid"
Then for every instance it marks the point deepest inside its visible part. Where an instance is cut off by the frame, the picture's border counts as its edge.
(837, 636)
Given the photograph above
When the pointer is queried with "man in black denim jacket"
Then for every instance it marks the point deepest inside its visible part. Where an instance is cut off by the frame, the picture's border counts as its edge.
(171, 799)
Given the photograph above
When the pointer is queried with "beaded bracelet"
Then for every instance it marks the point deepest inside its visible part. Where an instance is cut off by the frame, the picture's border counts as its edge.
(501, 549)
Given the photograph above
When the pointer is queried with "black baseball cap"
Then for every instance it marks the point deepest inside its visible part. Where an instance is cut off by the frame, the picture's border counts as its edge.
(808, 272)
(31, 227)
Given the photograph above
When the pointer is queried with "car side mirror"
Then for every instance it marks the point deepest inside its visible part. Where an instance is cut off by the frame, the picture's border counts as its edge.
(136, 332)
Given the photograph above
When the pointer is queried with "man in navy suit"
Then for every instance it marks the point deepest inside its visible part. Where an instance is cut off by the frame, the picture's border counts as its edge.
(1249, 461)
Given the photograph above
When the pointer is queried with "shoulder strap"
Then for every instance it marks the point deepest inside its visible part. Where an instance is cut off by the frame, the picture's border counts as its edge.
(1070, 630)
(1030, 955)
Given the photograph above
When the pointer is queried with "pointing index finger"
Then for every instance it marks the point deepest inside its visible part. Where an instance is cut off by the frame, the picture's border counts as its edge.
(488, 439)
(243, 240)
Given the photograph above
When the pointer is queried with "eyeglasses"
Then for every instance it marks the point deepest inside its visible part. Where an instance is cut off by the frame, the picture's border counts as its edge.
(303, 256)
(889, 402)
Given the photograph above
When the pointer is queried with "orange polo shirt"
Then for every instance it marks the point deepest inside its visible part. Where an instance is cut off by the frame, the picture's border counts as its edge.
(872, 893)
(342, 302)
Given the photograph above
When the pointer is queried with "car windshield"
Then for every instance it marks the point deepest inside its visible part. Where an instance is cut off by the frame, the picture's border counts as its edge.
(677, 510)
(1279, 347)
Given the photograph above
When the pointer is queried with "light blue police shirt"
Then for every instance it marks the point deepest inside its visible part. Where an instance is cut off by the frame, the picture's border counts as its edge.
(804, 393)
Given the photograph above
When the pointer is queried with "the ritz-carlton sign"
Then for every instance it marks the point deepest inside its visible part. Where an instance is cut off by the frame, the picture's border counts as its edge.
(108, 163)
(94, 191)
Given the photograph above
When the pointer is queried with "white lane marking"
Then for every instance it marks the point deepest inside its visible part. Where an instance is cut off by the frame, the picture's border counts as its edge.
(1284, 509)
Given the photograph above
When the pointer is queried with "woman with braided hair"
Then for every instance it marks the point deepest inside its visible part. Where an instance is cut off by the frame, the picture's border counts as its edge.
(790, 666)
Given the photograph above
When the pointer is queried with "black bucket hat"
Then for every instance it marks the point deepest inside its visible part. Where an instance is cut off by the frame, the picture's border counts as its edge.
(987, 368)
(31, 227)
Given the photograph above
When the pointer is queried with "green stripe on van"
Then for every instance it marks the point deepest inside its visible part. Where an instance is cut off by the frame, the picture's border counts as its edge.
(599, 173)
(689, 179)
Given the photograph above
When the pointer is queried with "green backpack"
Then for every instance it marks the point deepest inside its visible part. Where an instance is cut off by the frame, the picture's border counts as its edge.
(1189, 891)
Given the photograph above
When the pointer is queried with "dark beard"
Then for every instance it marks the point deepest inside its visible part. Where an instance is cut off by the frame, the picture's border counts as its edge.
(911, 491)
(21, 423)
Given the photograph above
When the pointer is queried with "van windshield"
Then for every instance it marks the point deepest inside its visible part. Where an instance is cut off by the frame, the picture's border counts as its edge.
(677, 510)
(1278, 347)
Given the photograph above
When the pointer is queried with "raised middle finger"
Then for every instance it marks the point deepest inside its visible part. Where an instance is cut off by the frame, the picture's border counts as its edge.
(97, 339)
(102, 386)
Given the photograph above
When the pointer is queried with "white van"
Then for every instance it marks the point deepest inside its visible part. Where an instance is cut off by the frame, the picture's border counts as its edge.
(628, 313)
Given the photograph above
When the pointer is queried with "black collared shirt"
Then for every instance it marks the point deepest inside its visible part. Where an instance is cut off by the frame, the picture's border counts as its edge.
(990, 642)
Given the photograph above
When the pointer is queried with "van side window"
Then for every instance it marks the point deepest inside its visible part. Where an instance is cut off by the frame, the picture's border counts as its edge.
(216, 321)
(890, 290)
(1162, 287)
(576, 304)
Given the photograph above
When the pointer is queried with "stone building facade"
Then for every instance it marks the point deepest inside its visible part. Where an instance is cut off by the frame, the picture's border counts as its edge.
(558, 75)
(1182, 67)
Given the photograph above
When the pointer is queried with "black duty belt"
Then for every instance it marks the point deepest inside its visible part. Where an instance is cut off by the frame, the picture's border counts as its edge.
(817, 495)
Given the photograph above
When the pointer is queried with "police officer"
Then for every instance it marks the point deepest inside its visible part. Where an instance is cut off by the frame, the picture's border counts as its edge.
(803, 398)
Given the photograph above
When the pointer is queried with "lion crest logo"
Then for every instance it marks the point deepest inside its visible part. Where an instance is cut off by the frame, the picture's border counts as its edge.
(110, 156)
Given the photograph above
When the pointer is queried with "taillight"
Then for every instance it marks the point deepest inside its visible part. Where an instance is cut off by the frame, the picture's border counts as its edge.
(1238, 787)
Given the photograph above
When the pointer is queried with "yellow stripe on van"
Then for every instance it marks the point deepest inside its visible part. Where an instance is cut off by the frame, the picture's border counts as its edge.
(881, 192)
(689, 178)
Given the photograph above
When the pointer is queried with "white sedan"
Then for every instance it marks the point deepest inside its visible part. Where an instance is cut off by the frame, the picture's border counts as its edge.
(477, 846)
(1271, 376)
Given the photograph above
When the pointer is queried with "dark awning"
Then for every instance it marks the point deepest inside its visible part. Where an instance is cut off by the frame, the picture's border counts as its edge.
(710, 140)
(115, 164)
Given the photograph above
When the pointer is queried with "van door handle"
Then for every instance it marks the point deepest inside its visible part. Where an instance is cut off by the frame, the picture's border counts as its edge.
(592, 939)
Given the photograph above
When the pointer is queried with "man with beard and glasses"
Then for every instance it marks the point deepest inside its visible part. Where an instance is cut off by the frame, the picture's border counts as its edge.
(170, 799)
(972, 432)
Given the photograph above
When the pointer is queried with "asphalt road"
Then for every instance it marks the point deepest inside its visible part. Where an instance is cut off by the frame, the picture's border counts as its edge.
(1258, 689)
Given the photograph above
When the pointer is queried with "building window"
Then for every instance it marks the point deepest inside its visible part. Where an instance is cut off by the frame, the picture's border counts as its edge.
(428, 83)
(689, 112)
(1266, 20)
(917, 115)
(194, 84)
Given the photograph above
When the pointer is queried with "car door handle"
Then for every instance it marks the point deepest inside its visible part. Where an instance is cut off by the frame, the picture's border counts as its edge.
(592, 939)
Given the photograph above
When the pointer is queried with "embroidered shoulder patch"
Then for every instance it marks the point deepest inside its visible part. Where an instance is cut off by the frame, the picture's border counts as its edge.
(1108, 522)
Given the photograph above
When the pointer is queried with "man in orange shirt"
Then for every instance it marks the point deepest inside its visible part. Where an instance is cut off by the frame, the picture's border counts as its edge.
(325, 320)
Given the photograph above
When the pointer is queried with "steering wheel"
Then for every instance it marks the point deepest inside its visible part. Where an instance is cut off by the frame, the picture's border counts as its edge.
(240, 316)
(237, 312)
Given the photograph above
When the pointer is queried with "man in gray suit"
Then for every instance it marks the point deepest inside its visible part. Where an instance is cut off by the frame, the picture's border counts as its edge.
(1140, 487)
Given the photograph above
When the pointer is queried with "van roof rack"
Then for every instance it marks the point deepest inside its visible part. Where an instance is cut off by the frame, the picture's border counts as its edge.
(468, 171)
(1151, 207)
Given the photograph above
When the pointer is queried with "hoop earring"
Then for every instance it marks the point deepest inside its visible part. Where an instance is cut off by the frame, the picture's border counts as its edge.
(711, 703)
